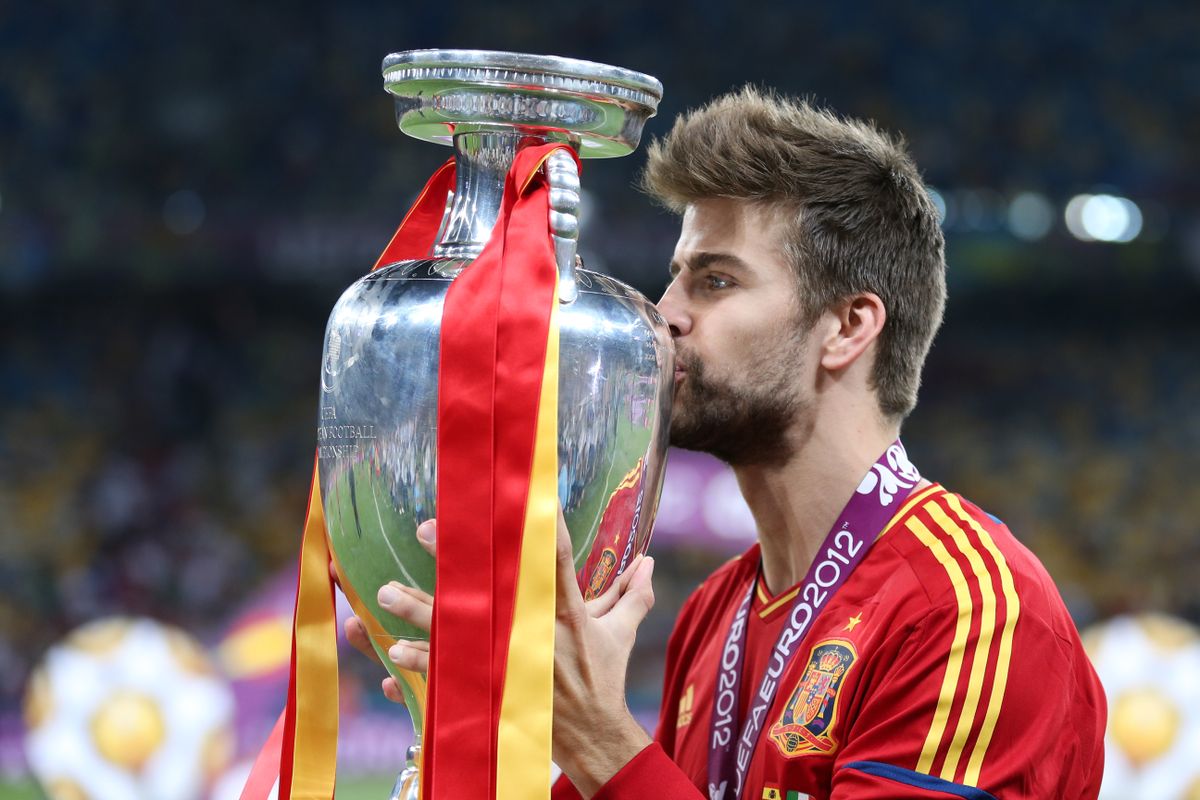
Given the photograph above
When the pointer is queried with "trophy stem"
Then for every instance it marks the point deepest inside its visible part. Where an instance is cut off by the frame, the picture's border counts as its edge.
(482, 159)
(412, 685)
(408, 782)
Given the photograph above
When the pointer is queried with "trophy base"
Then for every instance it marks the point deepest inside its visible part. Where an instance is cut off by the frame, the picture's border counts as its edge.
(408, 781)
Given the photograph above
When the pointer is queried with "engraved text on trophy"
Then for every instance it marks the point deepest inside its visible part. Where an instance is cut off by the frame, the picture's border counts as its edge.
(342, 441)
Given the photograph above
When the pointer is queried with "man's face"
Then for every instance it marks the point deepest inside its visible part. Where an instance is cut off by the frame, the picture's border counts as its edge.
(742, 386)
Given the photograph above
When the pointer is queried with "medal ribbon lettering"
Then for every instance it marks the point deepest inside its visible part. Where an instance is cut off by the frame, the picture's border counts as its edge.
(874, 503)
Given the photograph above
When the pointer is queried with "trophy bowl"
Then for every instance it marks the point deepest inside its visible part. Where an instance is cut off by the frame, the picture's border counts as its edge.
(377, 429)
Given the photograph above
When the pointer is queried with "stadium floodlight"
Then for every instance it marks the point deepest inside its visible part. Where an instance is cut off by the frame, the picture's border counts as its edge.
(1030, 216)
(1103, 218)
(939, 203)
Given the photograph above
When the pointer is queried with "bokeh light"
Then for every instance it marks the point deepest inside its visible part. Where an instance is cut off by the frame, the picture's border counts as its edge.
(1103, 218)
(1030, 216)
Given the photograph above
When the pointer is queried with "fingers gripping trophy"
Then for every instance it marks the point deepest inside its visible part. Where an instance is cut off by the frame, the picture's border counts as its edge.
(482, 376)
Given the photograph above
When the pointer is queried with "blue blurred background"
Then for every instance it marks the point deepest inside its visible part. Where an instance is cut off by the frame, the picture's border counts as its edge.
(186, 188)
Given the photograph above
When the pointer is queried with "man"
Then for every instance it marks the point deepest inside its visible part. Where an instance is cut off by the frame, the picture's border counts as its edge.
(901, 645)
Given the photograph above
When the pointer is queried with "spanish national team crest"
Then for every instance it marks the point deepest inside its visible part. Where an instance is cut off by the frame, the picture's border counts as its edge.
(806, 726)
(599, 578)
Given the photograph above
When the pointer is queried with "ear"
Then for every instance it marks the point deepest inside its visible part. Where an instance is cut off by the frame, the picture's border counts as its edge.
(857, 323)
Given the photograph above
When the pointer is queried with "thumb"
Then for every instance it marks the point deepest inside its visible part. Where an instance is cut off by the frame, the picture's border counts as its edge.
(638, 599)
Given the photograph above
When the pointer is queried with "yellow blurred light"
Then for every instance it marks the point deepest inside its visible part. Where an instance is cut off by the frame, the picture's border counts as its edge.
(127, 729)
(39, 700)
(258, 649)
(1144, 724)
(216, 753)
(1168, 633)
(188, 654)
(65, 789)
(100, 638)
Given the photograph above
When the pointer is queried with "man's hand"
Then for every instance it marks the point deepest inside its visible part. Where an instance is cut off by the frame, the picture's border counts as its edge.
(594, 733)
(411, 605)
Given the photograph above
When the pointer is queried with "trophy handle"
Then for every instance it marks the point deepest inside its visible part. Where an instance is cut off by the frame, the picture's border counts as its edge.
(563, 175)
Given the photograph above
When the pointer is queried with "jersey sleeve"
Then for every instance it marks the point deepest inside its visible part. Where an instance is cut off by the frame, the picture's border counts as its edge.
(975, 709)
(563, 789)
(651, 773)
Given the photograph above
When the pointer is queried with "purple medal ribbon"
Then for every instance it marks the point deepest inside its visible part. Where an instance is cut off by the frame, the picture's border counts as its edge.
(884, 488)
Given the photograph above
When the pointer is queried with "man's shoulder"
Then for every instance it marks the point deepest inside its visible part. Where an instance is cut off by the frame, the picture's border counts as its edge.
(955, 555)
(971, 612)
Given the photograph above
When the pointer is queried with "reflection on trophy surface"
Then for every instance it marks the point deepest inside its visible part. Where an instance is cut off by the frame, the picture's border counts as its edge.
(377, 431)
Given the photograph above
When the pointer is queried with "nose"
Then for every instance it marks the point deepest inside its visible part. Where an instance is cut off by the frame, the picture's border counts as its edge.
(673, 306)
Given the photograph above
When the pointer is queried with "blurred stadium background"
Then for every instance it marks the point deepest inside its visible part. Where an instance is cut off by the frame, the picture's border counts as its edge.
(186, 188)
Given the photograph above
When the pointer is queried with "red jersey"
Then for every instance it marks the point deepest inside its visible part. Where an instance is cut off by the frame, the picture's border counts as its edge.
(614, 545)
(946, 666)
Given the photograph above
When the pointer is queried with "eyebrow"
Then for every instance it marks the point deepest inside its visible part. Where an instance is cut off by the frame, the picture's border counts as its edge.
(706, 259)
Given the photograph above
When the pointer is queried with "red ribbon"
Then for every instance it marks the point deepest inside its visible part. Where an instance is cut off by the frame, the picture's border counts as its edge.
(265, 771)
(493, 348)
(276, 760)
(418, 231)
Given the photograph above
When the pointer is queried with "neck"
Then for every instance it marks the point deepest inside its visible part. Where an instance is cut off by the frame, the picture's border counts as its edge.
(797, 502)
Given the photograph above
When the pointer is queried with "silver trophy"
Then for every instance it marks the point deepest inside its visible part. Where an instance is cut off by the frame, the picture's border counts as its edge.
(377, 432)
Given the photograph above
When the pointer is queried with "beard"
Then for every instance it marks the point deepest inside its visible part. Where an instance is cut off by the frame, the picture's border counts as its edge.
(743, 423)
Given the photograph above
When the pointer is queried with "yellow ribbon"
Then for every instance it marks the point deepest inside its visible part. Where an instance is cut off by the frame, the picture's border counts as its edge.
(314, 755)
(527, 704)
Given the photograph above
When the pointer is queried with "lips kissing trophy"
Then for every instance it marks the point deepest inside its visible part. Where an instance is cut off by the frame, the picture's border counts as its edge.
(480, 375)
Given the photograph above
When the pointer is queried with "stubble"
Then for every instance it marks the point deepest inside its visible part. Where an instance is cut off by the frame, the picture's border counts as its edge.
(747, 419)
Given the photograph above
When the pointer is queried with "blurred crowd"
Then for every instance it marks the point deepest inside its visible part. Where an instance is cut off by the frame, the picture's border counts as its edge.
(184, 188)
(154, 459)
(225, 140)
(1077, 424)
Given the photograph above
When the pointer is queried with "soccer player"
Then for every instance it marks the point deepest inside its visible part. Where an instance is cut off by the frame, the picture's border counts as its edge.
(885, 638)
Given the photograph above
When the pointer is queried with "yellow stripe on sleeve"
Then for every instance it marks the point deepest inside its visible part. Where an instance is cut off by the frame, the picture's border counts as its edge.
(1012, 612)
(957, 648)
(983, 646)
(909, 504)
